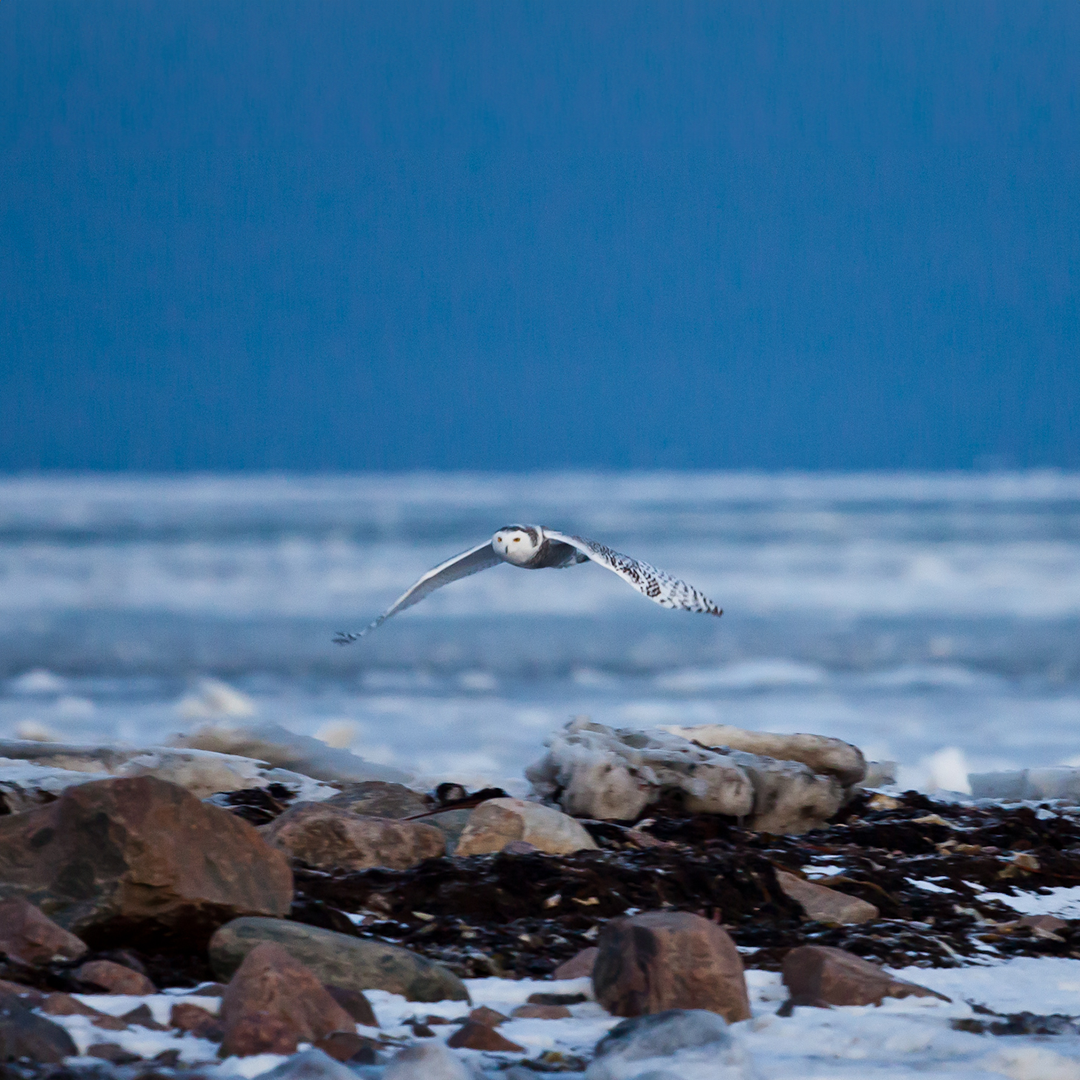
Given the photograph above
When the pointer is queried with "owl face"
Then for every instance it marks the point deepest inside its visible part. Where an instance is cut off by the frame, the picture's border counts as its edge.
(517, 543)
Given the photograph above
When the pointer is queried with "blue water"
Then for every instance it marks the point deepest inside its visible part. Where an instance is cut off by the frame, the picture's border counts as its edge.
(909, 613)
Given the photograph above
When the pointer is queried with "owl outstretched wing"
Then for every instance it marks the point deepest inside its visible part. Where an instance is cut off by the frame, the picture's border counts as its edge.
(657, 585)
(460, 566)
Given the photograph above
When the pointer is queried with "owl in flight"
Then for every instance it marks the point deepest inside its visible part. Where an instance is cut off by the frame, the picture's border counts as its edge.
(532, 547)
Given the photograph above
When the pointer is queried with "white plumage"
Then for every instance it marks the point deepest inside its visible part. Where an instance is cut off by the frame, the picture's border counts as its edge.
(533, 547)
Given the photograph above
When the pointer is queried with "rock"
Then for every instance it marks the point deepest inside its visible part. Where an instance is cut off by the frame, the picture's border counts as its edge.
(474, 1036)
(484, 1015)
(355, 1004)
(115, 856)
(377, 798)
(788, 798)
(338, 959)
(829, 757)
(66, 1005)
(287, 750)
(199, 1022)
(331, 838)
(577, 966)
(451, 823)
(688, 1044)
(272, 1000)
(29, 997)
(31, 938)
(428, 1061)
(613, 774)
(498, 822)
(664, 960)
(556, 999)
(314, 1064)
(24, 1034)
(821, 974)
(113, 1053)
(1046, 924)
(142, 1016)
(823, 904)
(542, 1012)
(114, 978)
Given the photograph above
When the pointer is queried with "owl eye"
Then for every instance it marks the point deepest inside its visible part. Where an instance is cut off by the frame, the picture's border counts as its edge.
(517, 539)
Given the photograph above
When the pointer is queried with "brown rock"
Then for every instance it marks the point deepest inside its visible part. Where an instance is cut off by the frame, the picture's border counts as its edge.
(1047, 924)
(330, 838)
(556, 999)
(355, 1004)
(274, 1001)
(117, 856)
(474, 1036)
(114, 978)
(214, 989)
(142, 1016)
(199, 1022)
(823, 904)
(24, 1034)
(541, 1012)
(484, 1015)
(31, 938)
(378, 798)
(30, 997)
(66, 1005)
(498, 822)
(669, 960)
(821, 973)
(578, 966)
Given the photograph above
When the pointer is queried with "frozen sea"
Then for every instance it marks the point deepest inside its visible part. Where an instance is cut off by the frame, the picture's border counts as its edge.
(933, 619)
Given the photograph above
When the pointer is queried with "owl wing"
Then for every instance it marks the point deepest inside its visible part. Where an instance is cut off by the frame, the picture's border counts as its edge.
(657, 585)
(460, 566)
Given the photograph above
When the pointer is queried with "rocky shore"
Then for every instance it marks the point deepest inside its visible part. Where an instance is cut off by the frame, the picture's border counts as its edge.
(677, 903)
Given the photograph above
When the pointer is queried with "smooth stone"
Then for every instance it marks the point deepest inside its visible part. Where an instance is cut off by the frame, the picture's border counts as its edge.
(30, 937)
(451, 823)
(823, 904)
(188, 1017)
(789, 798)
(60, 1004)
(24, 1034)
(823, 975)
(114, 978)
(332, 838)
(273, 1001)
(498, 822)
(112, 1053)
(484, 1015)
(340, 960)
(428, 1061)
(139, 854)
(377, 798)
(664, 960)
(313, 1064)
(541, 1012)
(474, 1036)
(828, 756)
(577, 966)
(355, 1004)
(690, 1044)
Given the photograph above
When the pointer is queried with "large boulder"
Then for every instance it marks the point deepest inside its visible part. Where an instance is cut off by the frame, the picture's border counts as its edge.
(789, 798)
(113, 858)
(663, 960)
(339, 960)
(26, 1036)
(822, 975)
(273, 1003)
(498, 822)
(379, 798)
(332, 838)
(31, 938)
(829, 757)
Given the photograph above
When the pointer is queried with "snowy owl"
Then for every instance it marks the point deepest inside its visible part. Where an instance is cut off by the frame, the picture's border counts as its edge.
(532, 547)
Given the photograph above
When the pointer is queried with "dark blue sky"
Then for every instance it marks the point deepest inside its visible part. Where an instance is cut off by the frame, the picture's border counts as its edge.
(325, 235)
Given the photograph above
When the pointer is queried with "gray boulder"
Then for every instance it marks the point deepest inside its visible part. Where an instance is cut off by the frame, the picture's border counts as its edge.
(428, 1061)
(690, 1044)
(340, 960)
(309, 1065)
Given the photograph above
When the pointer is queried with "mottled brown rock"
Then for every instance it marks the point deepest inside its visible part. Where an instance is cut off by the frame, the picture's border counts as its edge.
(32, 938)
(821, 973)
(669, 960)
(484, 1015)
(541, 1012)
(579, 965)
(142, 1016)
(498, 822)
(823, 904)
(66, 1005)
(355, 1004)
(273, 1000)
(474, 1036)
(30, 997)
(199, 1022)
(331, 838)
(339, 959)
(1046, 924)
(112, 856)
(348, 1046)
(114, 978)
(24, 1034)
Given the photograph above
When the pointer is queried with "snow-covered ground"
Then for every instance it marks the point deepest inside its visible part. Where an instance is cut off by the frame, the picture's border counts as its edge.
(910, 1038)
